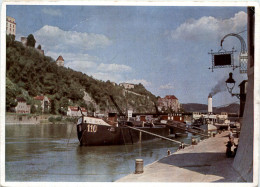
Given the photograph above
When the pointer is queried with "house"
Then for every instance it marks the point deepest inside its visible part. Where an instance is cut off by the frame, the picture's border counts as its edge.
(10, 25)
(168, 102)
(127, 85)
(60, 61)
(44, 102)
(73, 111)
(24, 40)
(22, 107)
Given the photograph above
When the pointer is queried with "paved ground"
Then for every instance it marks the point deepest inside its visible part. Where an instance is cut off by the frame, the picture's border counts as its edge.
(205, 162)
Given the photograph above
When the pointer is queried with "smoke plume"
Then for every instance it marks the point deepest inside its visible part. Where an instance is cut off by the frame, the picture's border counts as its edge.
(219, 87)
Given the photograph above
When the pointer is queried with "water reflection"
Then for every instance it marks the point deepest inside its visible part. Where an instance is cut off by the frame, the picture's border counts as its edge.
(41, 153)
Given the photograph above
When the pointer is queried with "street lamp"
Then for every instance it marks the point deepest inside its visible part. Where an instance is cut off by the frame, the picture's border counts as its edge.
(230, 83)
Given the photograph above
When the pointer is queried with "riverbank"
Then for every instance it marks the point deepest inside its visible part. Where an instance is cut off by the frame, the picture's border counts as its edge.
(205, 162)
(33, 119)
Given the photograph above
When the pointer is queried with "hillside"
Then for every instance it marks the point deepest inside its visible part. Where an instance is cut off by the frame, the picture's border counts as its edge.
(195, 107)
(28, 73)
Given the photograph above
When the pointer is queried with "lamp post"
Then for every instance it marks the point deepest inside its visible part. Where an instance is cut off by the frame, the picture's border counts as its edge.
(230, 83)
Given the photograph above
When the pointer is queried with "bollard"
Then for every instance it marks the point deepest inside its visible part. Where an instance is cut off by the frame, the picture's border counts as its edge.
(214, 134)
(139, 166)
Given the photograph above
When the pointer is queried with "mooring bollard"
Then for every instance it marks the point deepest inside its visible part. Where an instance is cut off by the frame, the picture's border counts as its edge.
(139, 166)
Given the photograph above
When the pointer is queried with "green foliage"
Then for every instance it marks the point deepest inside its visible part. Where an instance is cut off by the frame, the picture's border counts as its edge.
(12, 91)
(10, 40)
(59, 118)
(51, 119)
(37, 74)
(33, 109)
(31, 41)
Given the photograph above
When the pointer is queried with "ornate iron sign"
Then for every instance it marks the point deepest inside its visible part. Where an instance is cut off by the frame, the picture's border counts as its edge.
(222, 59)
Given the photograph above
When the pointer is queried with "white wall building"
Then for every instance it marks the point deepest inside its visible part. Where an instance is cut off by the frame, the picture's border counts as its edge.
(10, 25)
(60, 61)
(44, 102)
(74, 112)
(168, 102)
(22, 106)
(127, 85)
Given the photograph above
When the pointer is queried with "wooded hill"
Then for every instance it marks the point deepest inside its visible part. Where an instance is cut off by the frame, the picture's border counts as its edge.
(29, 73)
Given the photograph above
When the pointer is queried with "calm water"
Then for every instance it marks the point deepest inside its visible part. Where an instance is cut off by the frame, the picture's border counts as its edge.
(41, 153)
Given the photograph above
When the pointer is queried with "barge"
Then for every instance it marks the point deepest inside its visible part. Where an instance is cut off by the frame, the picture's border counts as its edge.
(93, 131)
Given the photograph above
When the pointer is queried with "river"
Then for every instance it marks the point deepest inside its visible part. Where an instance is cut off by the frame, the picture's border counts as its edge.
(41, 153)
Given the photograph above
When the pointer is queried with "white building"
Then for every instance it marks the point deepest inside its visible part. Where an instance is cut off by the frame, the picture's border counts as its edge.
(74, 112)
(22, 106)
(44, 102)
(60, 61)
(127, 85)
(168, 102)
(10, 25)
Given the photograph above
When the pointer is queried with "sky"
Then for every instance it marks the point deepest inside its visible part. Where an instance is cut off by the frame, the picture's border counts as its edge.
(163, 47)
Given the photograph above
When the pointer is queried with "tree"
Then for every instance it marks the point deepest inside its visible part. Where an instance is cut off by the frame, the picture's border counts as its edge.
(10, 39)
(53, 107)
(39, 47)
(33, 109)
(31, 41)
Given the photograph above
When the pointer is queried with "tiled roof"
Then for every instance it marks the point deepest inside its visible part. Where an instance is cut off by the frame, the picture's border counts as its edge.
(20, 99)
(39, 97)
(170, 97)
(60, 58)
(74, 108)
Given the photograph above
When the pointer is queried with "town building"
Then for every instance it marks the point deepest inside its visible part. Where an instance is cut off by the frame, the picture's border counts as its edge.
(113, 83)
(44, 102)
(24, 40)
(22, 107)
(60, 61)
(127, 85)
(74, 112)
(10, 25)
(169, 102)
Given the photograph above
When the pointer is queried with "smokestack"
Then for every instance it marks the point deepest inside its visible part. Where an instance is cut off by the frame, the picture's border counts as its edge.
(209, 104)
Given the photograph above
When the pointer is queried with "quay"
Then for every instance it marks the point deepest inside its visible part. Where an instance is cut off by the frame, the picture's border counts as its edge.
(204, 162)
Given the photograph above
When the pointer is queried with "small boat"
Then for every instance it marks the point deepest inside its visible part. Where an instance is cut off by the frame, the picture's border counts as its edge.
(94, 131)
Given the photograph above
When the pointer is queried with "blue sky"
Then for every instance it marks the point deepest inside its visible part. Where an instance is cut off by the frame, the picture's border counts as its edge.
(165, 47)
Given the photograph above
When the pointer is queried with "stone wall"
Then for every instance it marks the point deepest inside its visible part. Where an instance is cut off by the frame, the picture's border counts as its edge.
(24, 119)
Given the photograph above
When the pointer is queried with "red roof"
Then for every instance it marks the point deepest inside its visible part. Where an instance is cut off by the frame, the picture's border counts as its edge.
(20, 99)
(170, 97)
(60, 58)
(39, 97)
(74, 108)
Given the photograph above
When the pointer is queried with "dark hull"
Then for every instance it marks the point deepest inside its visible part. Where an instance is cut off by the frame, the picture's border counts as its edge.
(109, 135)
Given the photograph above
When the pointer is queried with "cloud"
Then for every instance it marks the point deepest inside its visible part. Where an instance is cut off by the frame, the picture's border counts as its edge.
(52, 11)
(114, 68)
(57, 40)
(209, 27)
(142, 81)
(91, 66)
(166, 87)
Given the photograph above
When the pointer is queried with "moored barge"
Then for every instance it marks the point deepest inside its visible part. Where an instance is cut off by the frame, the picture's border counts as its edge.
(95, 131)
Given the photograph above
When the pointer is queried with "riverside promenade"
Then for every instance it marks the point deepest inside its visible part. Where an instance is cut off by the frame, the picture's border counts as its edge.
(205, 162)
